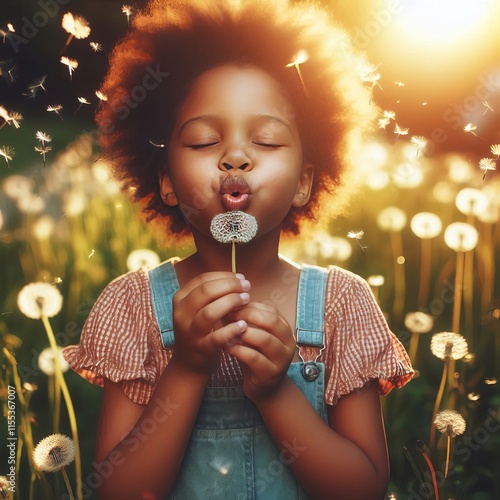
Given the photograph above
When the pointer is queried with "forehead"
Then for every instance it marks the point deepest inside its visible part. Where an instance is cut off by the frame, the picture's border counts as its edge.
(236, 89)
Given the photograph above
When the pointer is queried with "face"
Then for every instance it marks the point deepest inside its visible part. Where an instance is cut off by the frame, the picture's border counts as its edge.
(235, 146)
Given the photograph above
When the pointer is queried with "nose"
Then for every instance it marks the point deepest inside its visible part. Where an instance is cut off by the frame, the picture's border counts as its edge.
(235, 159)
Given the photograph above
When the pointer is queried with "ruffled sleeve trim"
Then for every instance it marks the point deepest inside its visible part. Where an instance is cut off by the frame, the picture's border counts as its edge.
(120, 339)
(360, 345)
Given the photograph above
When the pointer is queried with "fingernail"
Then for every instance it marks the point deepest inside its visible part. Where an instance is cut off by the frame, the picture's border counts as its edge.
(245, 297)
(245, 284)
(242, 325)
(240, 276)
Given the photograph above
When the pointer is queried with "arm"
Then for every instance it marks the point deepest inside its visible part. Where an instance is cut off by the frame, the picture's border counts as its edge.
(348, 457)
(139, 449)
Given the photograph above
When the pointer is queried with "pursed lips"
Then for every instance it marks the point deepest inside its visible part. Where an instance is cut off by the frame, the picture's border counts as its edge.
(235, 192)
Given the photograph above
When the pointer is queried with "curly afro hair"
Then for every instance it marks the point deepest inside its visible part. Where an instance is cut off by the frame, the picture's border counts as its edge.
(172, 42)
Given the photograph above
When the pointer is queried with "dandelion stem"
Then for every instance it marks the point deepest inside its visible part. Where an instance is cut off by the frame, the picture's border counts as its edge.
(399, 274)
(67, 400)
(421, 449)
(412, 351)
(425, 272)
(68, 485)
(457, 300)
(233, 256)
(299, 72)
(439, 397)
(448, 451)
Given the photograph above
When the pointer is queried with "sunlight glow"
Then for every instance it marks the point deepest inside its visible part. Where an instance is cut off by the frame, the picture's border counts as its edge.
(441, 21)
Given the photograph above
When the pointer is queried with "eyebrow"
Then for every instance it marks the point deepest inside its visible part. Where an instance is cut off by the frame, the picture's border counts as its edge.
(216, 118)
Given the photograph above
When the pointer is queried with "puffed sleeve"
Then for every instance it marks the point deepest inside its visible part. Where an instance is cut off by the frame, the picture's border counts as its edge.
(120, 339)
(360, 345)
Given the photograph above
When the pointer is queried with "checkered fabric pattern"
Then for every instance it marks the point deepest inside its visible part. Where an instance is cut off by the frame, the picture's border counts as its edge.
(120, 341)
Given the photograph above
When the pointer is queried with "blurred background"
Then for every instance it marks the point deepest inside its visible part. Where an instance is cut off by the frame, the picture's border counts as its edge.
(423, 230)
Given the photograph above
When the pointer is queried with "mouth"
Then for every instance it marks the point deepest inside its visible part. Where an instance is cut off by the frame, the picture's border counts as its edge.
(235, 192)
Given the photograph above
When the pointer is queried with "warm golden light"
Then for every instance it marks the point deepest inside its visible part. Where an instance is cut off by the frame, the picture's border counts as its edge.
(441, 21)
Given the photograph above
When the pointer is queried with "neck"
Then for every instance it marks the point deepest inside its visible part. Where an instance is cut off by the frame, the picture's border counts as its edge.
(256, 259)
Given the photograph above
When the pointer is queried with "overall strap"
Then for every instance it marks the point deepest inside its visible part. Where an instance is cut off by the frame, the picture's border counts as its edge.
(311, 306)
(164, 284)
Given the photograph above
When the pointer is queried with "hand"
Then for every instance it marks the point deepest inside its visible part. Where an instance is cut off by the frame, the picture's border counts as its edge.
(197, 307)
(265, 349)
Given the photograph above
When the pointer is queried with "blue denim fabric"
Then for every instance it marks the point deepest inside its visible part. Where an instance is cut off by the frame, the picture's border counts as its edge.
(231, 455)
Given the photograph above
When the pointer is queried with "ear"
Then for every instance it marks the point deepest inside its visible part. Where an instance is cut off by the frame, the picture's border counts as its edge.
(167, 191)
(304, 186)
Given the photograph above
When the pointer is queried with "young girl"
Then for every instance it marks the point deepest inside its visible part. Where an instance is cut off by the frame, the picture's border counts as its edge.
(260, 384)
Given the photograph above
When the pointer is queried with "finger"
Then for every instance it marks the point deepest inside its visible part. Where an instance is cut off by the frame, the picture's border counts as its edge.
(267, 318)
(228, 335)
(204, 279)
(207, 290)
(259, 366)
(214, 311)
(264, 342)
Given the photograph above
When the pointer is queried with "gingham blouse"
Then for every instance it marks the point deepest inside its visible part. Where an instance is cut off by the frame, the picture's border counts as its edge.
(120, 341)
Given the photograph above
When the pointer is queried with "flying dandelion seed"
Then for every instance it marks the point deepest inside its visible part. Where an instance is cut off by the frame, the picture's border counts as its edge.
(76, 26)
(101, 96)
(369, 75)
(5, 34)
(92, 252)
(399, 84)
(55, 108)
(399, 131)
(96, 47)
(486, 164)
(37, 84)
(390, 115)
(8, 153)
(127, 10)
(495, 150)
(43, 137)
(10, 118)
(358, 236)
(156, 145)
(419, 141)
(82, 101)
(72, 64)
(383, 122)
(43, 150)
(470, 127)
(301, 57)
(488, 108)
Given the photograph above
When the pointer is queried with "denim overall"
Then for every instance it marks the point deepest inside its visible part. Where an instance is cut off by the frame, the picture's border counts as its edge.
(231, 454)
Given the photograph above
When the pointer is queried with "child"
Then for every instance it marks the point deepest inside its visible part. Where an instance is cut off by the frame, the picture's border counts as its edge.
(262, 383)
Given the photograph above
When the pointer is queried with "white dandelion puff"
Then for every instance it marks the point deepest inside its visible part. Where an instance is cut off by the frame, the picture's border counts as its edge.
(39, 299)
(76, 26)
(46, 361)
(449, 345)
(72, 64)
(495, 150)
(53, 453)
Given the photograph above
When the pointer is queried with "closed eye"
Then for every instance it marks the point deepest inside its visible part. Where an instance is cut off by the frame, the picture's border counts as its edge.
(267, 145)
(201, 146)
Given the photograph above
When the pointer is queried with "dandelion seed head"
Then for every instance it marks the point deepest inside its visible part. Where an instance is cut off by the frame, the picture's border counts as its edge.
(450, 422)
(39, 299)
(53, 453)
(460, 236)
(46, 361)
(419, 322)
(448, 345)
(391, 219)
(235, 226)
(426, 225)
(142, 258)
(76, 25)
(471, 201)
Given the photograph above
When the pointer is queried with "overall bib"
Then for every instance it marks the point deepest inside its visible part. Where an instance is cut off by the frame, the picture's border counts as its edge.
(231, 455)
